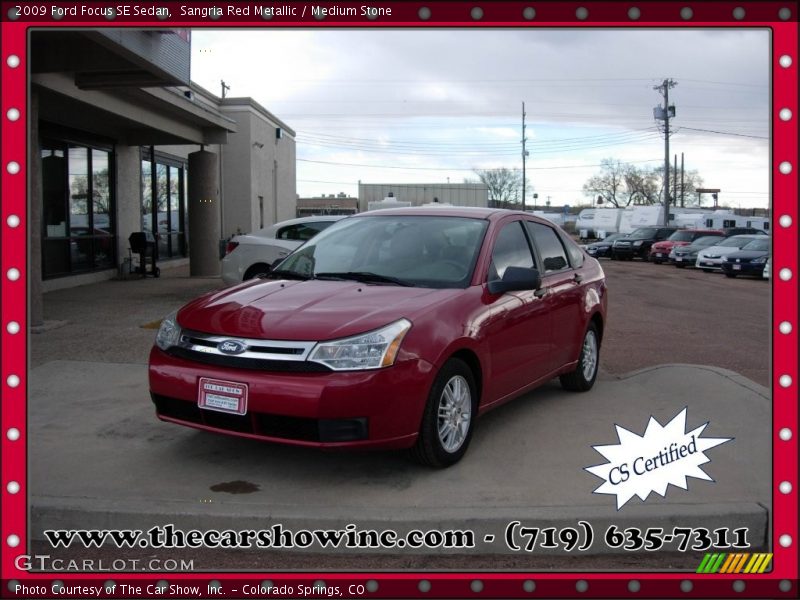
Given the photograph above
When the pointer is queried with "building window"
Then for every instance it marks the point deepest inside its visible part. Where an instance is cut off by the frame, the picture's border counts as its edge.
(77, 209)
(164, 203)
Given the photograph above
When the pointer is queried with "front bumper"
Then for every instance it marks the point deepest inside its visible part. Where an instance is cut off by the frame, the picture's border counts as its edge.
(749, 268)
(627, 251)
(709, 263)
(365, 409)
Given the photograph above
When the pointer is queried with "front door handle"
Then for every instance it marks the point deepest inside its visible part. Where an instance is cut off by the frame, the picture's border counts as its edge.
(578, 278)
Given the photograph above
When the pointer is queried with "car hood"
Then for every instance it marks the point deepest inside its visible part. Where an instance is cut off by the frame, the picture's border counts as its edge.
(748, 254)
(307, 310)
(718, 250)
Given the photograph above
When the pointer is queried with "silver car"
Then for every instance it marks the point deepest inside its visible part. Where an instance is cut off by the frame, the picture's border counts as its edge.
(250, 255)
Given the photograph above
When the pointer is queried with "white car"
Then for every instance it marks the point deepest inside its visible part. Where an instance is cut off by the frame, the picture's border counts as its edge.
(253, 254)
(710, 259)
(765, 273)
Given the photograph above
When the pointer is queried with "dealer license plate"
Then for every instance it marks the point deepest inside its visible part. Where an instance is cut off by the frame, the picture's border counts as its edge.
(659, 255)
(678, 259)
(222, 396)
(737, 267)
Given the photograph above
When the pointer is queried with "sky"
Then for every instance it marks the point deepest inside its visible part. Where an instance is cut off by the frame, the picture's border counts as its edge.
(433, 105)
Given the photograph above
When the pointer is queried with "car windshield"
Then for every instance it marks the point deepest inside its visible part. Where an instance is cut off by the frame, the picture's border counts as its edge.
(705, 241)
(681, 236)
(757, 245)
(644, 232)
(423, 251)
(734, 242)
(613, 237)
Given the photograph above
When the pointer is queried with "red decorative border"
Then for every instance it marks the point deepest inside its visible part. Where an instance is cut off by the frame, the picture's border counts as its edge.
(781, 582)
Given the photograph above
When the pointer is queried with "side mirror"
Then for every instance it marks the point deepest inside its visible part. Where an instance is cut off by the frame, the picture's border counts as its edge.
(516, 279)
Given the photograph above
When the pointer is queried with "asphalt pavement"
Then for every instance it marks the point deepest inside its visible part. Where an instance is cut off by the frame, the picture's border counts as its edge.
(99, 458)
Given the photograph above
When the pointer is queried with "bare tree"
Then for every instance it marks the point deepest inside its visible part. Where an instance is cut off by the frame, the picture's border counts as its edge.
(505, 185)
(609, 183)
(622, 184)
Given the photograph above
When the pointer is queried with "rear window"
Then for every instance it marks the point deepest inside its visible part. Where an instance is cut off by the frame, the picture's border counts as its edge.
(682, 236)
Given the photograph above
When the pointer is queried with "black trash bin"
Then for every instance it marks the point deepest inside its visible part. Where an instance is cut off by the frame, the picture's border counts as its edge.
(143, 243)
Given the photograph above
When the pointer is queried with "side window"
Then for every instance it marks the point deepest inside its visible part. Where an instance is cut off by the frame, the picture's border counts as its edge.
(511, 249)
(551, 250)
(574, 253)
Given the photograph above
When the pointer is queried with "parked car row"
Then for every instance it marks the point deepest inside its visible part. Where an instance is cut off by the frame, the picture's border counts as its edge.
(733, 251)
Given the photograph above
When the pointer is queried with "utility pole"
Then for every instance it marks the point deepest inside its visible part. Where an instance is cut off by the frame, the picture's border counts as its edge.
(675, 181)
(664, 114)
(524, 155)
(682, 180)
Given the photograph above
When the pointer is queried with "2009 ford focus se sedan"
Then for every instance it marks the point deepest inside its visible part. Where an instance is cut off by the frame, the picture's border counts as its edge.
(390, 329)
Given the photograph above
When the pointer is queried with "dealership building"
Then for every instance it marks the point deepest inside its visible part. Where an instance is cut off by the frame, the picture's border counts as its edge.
(121, 141)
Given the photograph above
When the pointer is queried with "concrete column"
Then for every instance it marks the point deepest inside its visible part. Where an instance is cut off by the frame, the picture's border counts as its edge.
(204, 216)
(129, 197)
(36, 302)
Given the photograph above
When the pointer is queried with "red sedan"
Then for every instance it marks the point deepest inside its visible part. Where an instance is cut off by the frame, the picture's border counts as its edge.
(390, 329)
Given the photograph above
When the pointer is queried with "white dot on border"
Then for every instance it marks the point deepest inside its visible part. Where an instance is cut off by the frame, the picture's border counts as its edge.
(739, 13)
(582, 586)
(12, 221)
(13, 61)
(785, 328)
(785, 381)
(634, 13)
(109, 586)
(12, 114)
(529, 13)
(686, 586)
(785, 585)
(785, 61)
(424, 586)
(12, 540)
(785, 220)
(476, 586)
(634, 586)
(372, 585)
(424, 13)
(785, 434)
(529, 586)
(476, 13)
(785, 540)
(12, 328)
(12, 274)
(13, 434)
(785, 274)
(785, 167)
(785, 114)
(582, 13)
(785, 487)
(739, 586)
(13, 381)
(12, 487)
(686, 13)
(13, 167)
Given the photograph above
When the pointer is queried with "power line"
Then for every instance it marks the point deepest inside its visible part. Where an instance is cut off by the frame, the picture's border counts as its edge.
(326, 162)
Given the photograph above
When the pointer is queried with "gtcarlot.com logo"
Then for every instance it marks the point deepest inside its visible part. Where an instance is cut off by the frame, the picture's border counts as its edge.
(45, 562)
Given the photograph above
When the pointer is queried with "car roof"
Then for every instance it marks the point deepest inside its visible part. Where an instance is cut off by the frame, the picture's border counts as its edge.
(473, 212)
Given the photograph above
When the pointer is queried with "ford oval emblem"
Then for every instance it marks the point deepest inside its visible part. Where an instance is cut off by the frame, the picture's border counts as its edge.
(231, 347)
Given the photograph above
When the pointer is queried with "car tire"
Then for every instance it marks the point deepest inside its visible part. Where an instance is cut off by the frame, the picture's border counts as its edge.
(449, 417)
(583, 377)
(707, 270)
(731, 275)
(256, 271)
(680, 266)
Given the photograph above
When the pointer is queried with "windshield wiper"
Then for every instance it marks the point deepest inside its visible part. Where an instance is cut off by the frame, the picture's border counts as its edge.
(285, 274)
(364, 277)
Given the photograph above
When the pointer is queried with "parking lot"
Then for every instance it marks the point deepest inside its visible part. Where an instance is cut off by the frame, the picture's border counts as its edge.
(91, 358)
(658, 314)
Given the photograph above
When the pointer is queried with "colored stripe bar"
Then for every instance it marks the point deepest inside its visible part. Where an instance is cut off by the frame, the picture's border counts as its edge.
(767, 560)
(703, 563)
(718, 564)
(728, 562)
(737, 568)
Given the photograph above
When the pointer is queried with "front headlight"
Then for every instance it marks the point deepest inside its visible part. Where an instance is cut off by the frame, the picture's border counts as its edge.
(760, 261)
(637, 243)
(372, 350)
(169, 333)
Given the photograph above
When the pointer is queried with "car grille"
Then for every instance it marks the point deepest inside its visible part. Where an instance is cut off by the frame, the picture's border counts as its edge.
(260, 355)
(264, 424)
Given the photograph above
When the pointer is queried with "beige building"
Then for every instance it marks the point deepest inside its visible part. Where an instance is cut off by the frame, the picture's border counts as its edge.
(457, 194)
(121, 141)
(332, 204)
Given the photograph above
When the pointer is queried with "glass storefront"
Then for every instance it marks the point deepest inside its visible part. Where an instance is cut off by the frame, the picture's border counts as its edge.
(77, 208)
(164, 203)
